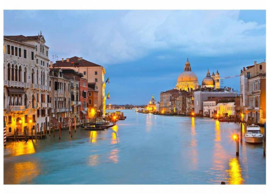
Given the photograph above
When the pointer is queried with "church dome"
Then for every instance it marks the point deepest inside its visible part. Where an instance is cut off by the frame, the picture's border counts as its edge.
(187, 79)
(208, 81)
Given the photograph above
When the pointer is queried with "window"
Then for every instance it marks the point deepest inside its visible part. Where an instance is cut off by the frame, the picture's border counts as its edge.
(83, 84)
(84, 73)
(248, 75)
(96, 87)
(90, 94)
(36, 61)
(260, 67)
(24, 54)
(32, 55)
(47, 53)
(95, 72)
(16, 51)
(9, 119)
(90, 101)
(37, 113)
(84, 94)
(25, 118)
(55, 85)
(12, 50)
(8, 49)
(96, 80)
(47, 64)
(20, 52)
(40, 62)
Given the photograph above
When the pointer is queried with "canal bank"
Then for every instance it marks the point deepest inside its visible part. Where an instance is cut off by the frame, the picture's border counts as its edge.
(143, 149)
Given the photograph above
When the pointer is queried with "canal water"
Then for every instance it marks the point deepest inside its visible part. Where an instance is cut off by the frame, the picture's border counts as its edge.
(143, 149)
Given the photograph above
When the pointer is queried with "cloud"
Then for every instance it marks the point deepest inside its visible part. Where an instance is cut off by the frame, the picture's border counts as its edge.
(130, 35)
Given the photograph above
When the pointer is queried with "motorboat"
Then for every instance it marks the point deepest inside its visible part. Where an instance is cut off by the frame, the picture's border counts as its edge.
(253, 134)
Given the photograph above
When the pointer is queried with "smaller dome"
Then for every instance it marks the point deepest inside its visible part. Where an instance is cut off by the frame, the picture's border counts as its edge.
(213, 74)
(217, 73)
(208, 81)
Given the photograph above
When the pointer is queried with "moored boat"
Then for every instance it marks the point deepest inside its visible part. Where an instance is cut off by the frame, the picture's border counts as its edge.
(253, 134)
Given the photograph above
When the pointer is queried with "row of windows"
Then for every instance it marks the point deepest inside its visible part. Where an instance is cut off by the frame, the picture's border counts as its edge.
(11, 50)
(42, 63)
(25, 119)
(84, 73)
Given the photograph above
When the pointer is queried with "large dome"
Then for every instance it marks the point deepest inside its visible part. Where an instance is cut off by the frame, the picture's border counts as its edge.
(187, 80)
(208, 81)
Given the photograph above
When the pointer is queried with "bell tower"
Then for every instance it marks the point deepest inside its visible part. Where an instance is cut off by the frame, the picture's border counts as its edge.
(217, 81)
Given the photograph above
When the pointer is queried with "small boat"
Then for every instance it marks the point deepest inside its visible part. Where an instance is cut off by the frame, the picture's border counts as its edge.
(253, 134)
(94, 128)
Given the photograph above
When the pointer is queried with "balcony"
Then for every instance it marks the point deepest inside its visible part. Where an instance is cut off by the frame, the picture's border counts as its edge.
(17, 108)
(35, 86)
(61, 110)
(44, 105)
(50, 105)
(38, 105)
(79, 102)
(73, 103)
(14, 84)
(49, 88)
(85, 109)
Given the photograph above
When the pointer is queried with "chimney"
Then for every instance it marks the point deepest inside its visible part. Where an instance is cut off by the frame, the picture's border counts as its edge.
(255, 62)
(80, 58)
(62, 59)
(67, 60)
(51, 64)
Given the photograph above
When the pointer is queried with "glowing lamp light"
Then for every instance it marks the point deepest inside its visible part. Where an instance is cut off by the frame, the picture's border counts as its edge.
(217, 115)
(192, 114)
(20, 121)
(235, 137)
(114, 117)
(30, 121)
(162, 111)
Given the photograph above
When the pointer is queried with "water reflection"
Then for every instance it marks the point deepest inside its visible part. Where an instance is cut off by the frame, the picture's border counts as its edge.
(149, 122)
(93, 136)
(114, 155)
(235, 176)
(21, 148)
(193, 143)
(217, 129)
(93, 160)
(115, 138)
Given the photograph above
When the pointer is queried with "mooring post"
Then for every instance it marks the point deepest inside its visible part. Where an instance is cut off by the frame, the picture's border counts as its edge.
(241, 133)
(237, 147)
(59, 130)
(70, 128)
(36, 132)
(264, 140)
(69, 125)
(54, 131)
(31, 132)
(75, 124)
(49, 130)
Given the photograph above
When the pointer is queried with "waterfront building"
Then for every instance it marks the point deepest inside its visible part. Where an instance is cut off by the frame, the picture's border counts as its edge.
(187, 80)
(209, 107)
(26, 83)
(91, 72)
(167, 100)
(180, 102)
(189, 103)
(202, 95)
(225, 109)
(74, 78)
(253, 93)
(60, 96)
(152, 106)
(93, 100)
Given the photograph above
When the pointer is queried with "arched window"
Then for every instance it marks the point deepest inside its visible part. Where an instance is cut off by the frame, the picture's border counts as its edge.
(16, 73)
(33, 101)
(25, 101)
(9, 72)
(37, 76)
(12, 73)
(20, 74)
(33, 74)
(25, 74)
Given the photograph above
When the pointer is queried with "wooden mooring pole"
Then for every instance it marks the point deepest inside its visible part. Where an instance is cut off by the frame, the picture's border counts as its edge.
(264, 140)
(75, 124)
(59, 125)
(71, 128)
(36, 132)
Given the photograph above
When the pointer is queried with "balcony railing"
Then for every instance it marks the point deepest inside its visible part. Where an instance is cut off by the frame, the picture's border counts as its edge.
(35, 86)
(50, 105)
(15, 84)
(79, 103)
(17, 108)
(61, 110)
(44, 104)
(73, 103)
(49, 88)
(38, 105)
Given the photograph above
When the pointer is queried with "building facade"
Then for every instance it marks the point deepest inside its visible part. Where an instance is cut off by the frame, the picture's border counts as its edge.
(26, 83)
(91, 72)
(253, 93)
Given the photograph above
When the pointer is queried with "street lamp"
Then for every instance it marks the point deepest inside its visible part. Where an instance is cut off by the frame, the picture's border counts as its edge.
(236, 139)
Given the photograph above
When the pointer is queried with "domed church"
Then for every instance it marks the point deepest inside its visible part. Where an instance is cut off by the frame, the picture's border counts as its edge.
(211, 82)
(187, 80)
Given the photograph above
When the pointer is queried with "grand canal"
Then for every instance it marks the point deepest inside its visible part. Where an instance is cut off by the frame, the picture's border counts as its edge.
(143, 149)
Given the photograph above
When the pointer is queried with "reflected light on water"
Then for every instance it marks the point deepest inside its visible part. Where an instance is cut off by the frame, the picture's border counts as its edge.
(25, 172)
(21, 148)
(193, 131)
(93, 136)
(93, 160)
(114, 155)
(115, 138)
(193, 143)
(235, 176)
(217, 131)
(148, 122)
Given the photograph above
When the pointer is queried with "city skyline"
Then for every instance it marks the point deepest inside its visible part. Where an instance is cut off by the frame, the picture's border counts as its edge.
(125, 42)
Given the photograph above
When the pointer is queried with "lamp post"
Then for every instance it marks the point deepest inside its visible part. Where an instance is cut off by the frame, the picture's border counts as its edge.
(236, 139)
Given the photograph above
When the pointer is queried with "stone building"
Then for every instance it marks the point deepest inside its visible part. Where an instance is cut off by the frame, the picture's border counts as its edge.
(211, 81)
(91, 72)
(26, 83)
(92, 100)
(60, 96)
(167, 101)
(253, 93)
(180, 102)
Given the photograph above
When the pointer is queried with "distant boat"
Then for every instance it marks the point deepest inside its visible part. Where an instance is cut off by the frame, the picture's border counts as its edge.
(253, 134)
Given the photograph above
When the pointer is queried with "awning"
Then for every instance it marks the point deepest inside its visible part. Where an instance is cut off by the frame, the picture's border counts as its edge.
(83, 112)
(16, 91)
